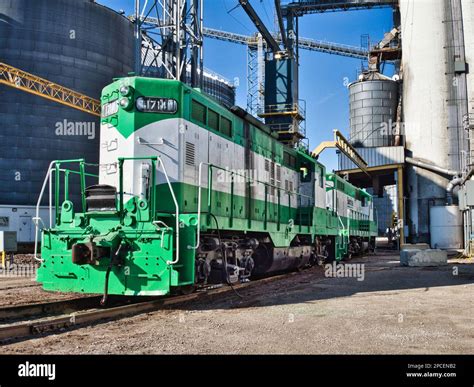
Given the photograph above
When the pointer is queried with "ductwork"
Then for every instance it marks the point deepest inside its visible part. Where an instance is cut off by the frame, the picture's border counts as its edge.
(456, 175)
(468, 176)
(449, 190)
(432, 167)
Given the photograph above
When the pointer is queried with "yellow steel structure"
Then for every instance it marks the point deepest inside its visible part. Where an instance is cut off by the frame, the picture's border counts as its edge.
(287, 133)
(33, 84)
(401, 212)
(282, 109)
(345, 147)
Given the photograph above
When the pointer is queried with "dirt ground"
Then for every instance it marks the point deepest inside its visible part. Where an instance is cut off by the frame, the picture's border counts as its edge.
(22, 288)
(393, 310)
(19, 291)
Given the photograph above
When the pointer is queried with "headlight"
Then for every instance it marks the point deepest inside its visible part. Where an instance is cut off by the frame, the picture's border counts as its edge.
(140, 104)
(125, 103)
(126, 91)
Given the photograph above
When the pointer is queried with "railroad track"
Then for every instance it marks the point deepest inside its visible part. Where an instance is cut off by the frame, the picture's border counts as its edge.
(28, 321)
(18, 312)
(19, 286)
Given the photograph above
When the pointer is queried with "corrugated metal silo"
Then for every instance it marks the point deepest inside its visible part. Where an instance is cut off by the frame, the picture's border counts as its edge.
(214, 84)
(76, 43)
(373, 107)
(219, 88)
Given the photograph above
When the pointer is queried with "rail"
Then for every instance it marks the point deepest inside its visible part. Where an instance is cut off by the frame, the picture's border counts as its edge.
(54, 168)
(33, 322)
(290, 127)
(293, 109)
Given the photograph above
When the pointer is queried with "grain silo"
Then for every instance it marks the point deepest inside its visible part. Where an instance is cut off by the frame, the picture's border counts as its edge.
(213, 84)
(373, 102)
(219, 88)
(435, 43)
(76, 43)
(468, 26)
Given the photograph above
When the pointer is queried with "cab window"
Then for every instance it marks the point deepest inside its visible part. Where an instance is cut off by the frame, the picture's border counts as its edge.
(226, 127)
(198, 112)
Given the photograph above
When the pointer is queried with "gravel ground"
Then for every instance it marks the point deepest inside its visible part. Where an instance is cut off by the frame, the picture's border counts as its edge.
(18, 291)
(23, 289)
(25, 259)
(393, 310)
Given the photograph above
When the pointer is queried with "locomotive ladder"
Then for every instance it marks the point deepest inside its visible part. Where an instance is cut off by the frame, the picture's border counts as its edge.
(344, 233)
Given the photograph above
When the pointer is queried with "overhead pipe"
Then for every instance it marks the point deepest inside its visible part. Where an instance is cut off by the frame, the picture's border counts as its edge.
(456, 176)
(468, 176)
(432, 167)
(449, 189)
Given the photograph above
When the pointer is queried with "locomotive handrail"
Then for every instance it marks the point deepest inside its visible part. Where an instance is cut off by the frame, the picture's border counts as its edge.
(176, 260)
(153, 160)
(249, 180)
(198, 236)
(47, 179)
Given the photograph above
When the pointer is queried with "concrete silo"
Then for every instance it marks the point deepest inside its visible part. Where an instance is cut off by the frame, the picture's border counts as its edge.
(468, 210)
(434, 102)
(468, 25)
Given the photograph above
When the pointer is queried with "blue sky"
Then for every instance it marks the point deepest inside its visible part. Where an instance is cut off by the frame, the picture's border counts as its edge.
(321, 75)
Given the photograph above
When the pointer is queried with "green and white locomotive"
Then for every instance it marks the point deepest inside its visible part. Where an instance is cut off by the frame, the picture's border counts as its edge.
(192, 193)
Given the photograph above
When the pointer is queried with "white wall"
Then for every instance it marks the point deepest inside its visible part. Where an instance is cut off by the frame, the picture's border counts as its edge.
(20, 219)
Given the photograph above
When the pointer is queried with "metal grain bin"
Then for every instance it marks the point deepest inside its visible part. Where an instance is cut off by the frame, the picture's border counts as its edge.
(219, 88)
(214, 85)
(76, 43)
(373, 107)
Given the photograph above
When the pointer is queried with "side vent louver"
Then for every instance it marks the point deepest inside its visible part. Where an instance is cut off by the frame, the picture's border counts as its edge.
(190, 153)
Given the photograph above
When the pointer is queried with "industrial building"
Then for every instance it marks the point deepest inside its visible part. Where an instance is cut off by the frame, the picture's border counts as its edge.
(412, 129)
(423, 141)
(52, 39)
